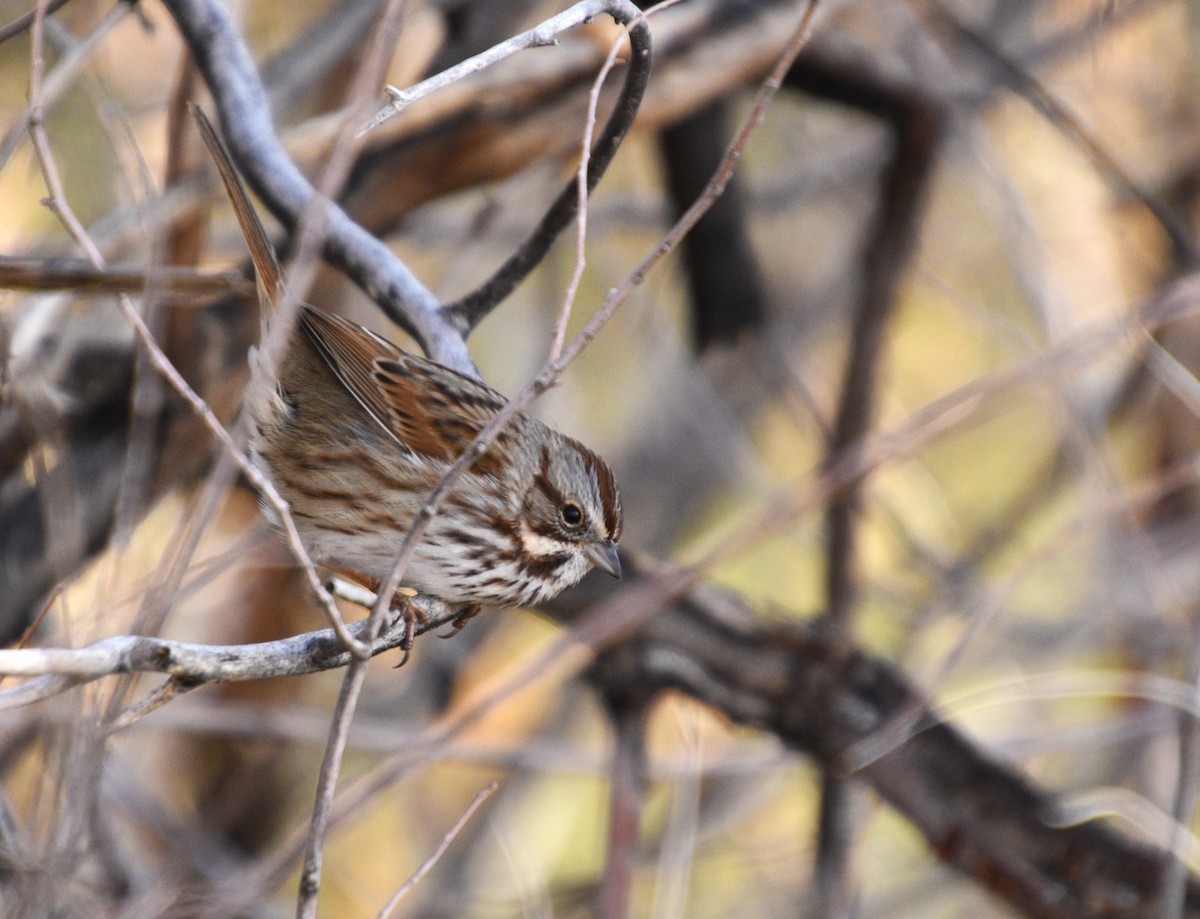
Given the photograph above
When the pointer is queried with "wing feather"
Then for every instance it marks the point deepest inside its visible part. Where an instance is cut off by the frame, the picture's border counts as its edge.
(436, 410)
(432, 410)
(351, 352)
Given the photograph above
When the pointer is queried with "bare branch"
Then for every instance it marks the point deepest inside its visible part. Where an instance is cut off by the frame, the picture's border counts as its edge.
(468, 311)
(540, 36)
(74, 274)
(241, 102)
(58, 668)
(427, 865)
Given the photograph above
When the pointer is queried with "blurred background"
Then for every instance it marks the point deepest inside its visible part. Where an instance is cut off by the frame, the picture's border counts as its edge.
(984, 208)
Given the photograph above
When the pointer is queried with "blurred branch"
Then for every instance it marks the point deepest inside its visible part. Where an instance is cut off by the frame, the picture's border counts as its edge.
(916, 118)
(822, 696)
(724, 282)
(1095, 24)
(1025, 84)
(25, 20)
(628, 706)
(917, 121)
(83, 277)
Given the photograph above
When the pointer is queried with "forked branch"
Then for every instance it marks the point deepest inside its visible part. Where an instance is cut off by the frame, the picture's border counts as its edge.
(244, 113)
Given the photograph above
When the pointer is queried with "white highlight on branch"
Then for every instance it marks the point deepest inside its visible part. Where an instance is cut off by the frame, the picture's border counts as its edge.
(540, 36)
(58, 669)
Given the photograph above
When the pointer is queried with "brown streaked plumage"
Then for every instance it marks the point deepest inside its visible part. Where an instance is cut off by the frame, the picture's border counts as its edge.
(355, 433)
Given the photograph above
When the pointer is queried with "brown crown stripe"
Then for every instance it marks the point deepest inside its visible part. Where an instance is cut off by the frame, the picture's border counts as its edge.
(610, 499)
(541, 481)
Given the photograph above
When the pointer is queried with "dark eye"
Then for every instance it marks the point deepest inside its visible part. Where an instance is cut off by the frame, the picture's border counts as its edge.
(572, 514)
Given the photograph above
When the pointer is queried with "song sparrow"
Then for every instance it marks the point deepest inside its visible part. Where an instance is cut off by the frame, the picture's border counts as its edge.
(355, 433)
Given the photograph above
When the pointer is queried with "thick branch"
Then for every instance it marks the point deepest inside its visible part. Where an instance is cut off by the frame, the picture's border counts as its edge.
(823, 698)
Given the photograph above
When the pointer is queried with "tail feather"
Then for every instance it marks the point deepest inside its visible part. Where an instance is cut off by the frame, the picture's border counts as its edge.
(266, 265)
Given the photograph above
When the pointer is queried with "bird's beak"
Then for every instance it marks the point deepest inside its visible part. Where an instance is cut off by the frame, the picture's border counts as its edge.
(603, 555)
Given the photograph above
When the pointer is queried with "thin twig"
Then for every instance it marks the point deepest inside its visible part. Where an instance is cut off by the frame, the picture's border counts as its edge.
(168, 691)
(331, 764)
(482, 795)
(540, 36)
(581, 183)
(581, 202)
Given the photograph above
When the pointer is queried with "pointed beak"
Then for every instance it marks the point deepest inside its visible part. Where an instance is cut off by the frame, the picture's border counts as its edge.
(603, 555)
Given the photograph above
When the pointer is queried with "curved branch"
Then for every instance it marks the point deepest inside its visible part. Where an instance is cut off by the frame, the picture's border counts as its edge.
(244, 112)
(468, 311)
(242, 106)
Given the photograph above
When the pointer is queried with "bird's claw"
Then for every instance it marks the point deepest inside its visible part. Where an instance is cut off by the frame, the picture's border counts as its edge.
(414, 616)
(469, 612)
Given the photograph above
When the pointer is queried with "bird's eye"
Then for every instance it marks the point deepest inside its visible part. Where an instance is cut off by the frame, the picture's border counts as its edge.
(572, 514)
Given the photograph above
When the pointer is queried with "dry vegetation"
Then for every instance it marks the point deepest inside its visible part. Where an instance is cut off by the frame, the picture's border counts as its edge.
(906, 431)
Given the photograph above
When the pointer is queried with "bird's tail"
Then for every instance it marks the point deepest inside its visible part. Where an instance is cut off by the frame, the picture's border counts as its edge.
(266, 265)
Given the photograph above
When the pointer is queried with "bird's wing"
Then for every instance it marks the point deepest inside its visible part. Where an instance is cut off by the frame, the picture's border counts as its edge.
(432, 410)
